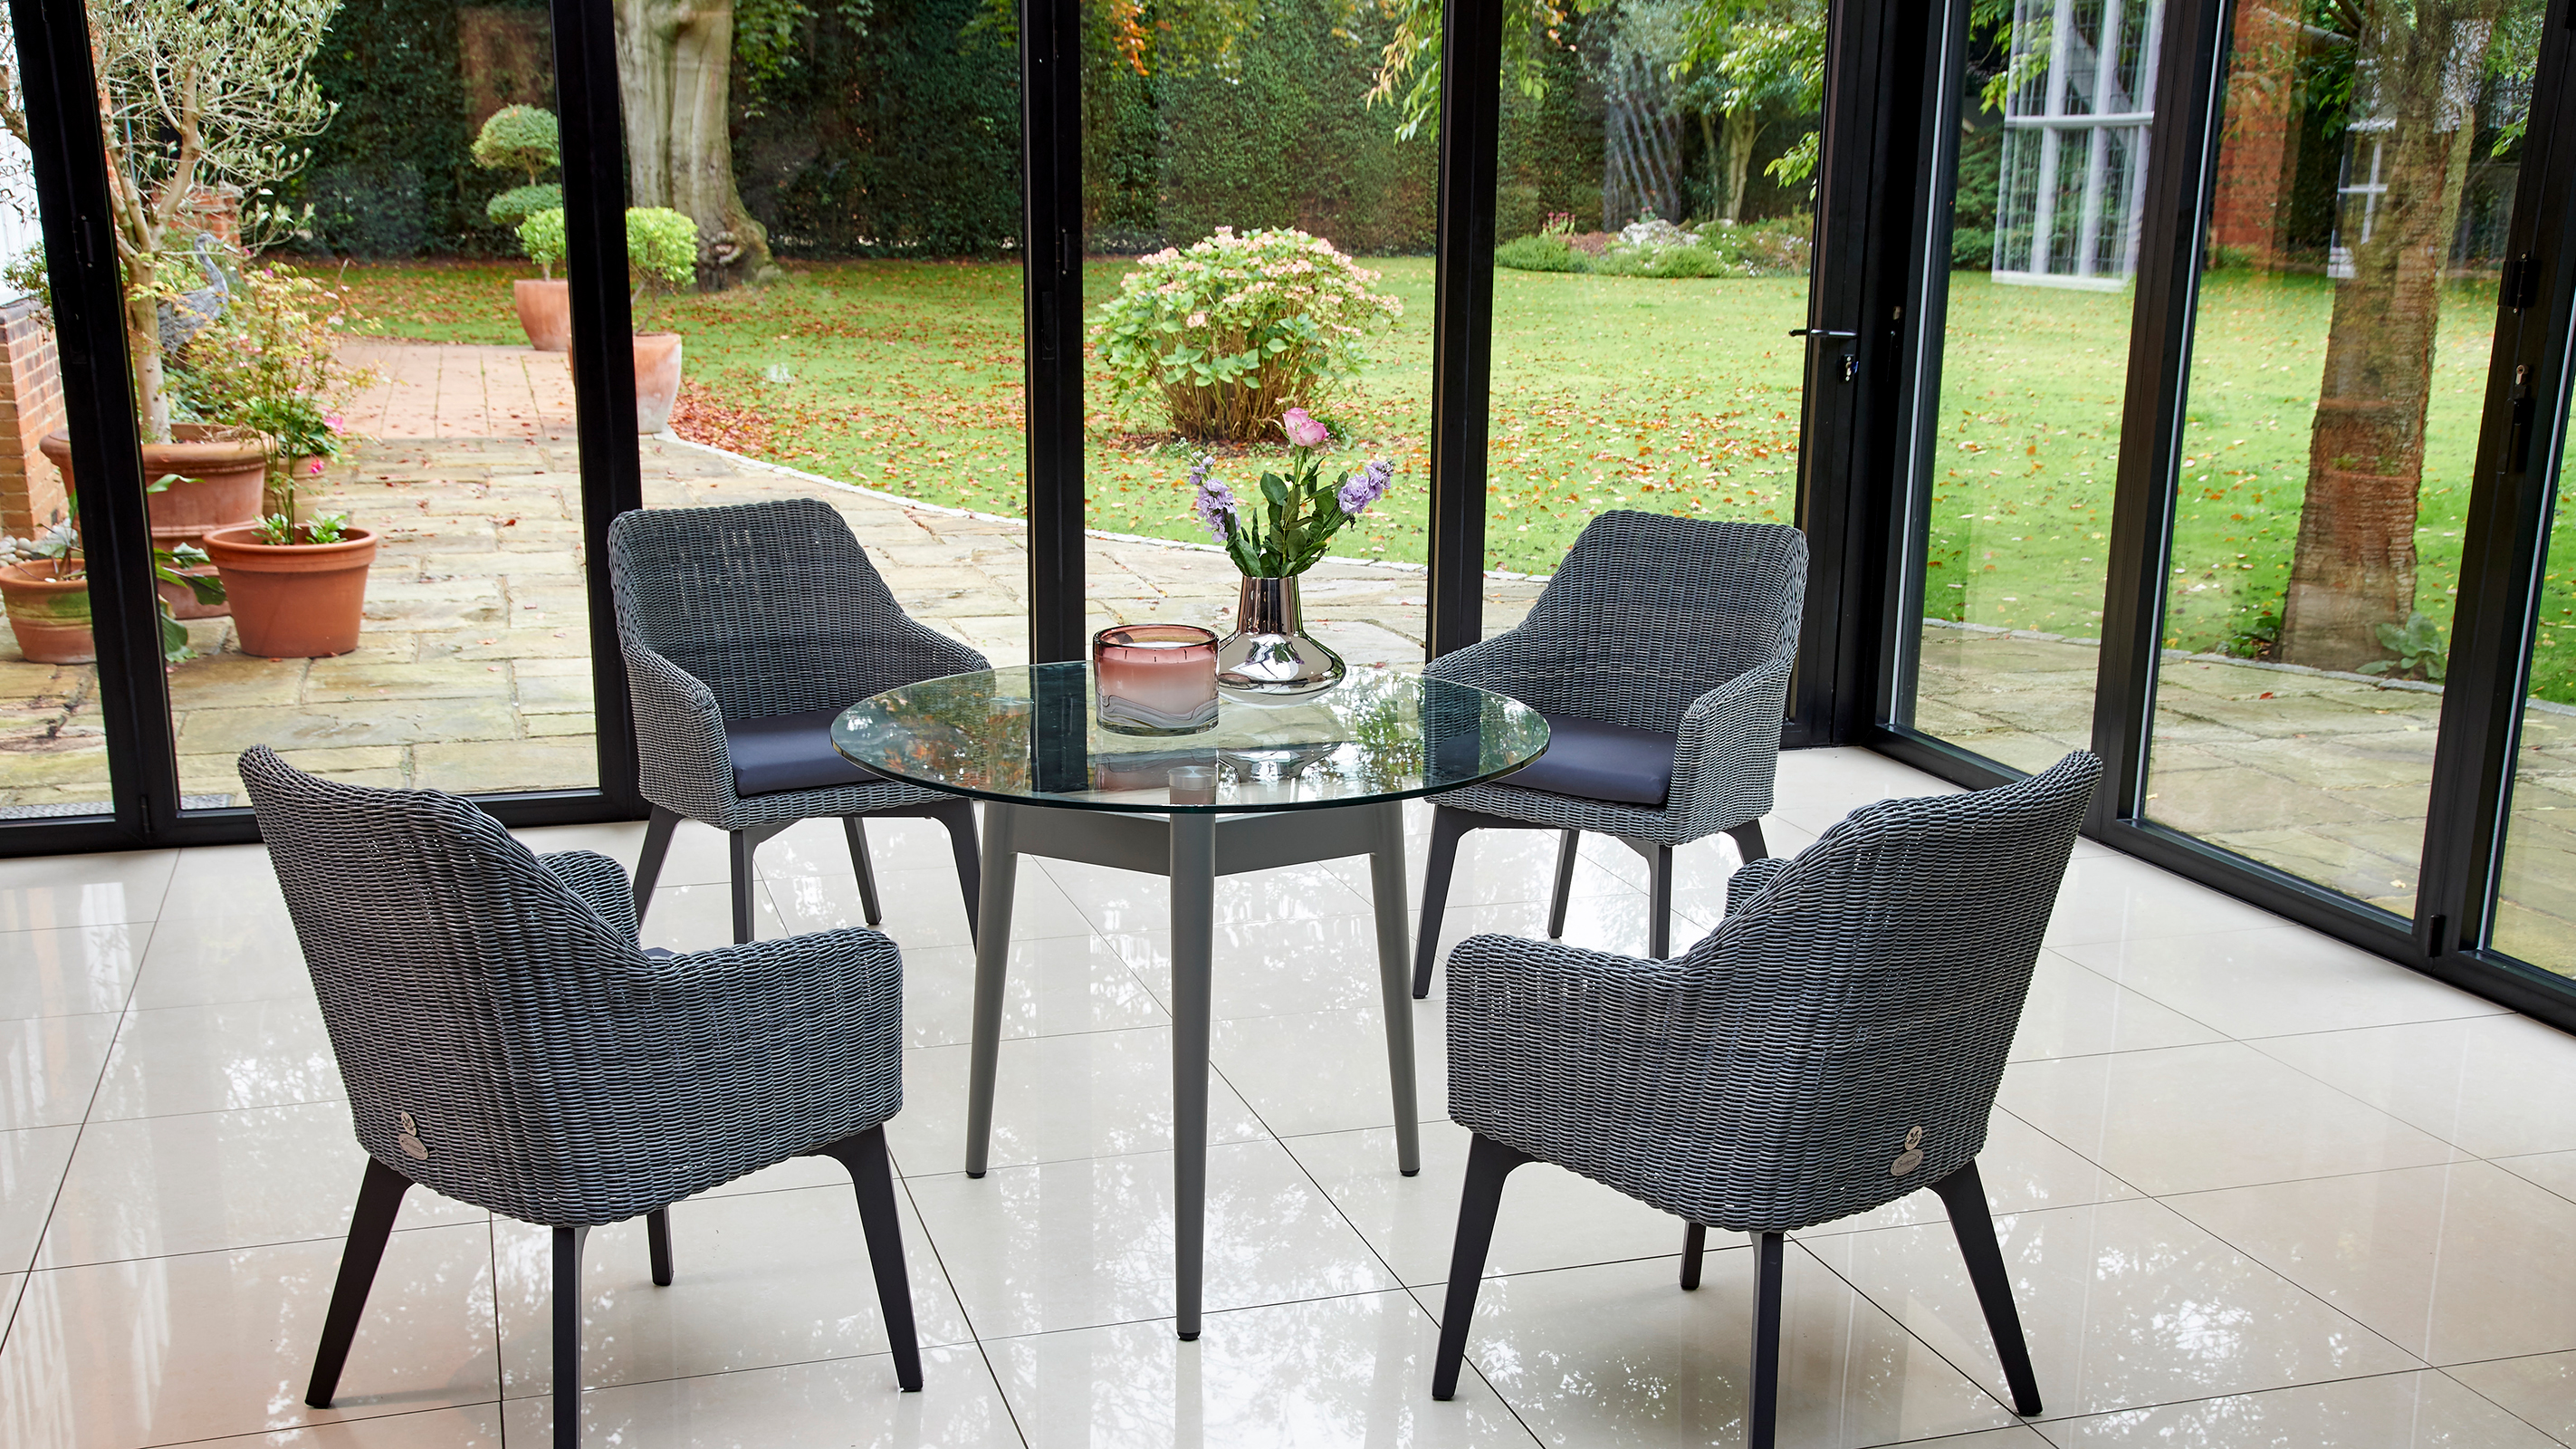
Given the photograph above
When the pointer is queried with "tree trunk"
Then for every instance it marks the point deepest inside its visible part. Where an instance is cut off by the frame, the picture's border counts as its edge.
(2354, 565)
(674, 64)
(1741, 125)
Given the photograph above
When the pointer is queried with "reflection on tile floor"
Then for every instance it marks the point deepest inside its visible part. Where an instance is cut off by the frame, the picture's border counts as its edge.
(2254, 1188)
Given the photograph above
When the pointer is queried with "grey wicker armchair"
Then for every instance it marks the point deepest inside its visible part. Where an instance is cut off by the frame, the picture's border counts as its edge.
(746, 630)
(505, 1042)
(1832, 1046)
(1659, 656)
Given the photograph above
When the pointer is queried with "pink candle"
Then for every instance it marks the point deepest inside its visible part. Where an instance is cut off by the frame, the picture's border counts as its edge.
(1155, 679)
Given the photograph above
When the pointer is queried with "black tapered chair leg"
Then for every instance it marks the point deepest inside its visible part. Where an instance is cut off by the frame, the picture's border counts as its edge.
(1488, 1163)
(568, 1244)
(742, 845)
(380, 1195)
(858, 835)
(1659, 903)
(1748, 841)
(1694, 1248)
(1963, 1196)
(1447, 826)
(959, 817)
(648, 866)
(1566, 843)
(1762, 1416)
(657, 1241)
(872, 1175)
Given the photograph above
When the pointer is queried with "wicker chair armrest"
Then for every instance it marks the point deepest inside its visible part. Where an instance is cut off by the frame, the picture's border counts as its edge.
(1486, 664)
(1580, 1057)
(601, 884)
(1729, 748)
(801, 1019)
(925, 653)
(681, 764)
(1750, 880)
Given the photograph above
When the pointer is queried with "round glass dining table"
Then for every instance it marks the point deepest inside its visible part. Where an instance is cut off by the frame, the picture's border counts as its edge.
(1273, 783)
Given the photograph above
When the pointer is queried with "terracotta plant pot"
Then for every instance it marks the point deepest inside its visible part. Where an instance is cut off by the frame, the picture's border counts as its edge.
(657, 379)
(545, 313)
(298, 601)
(183, 600)
(218, 480)
(49, 615)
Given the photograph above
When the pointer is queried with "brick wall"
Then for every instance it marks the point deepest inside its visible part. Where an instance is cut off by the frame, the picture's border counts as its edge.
(31, 405)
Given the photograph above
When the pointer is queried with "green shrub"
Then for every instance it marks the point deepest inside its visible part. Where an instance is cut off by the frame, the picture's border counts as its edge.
(519, 138)
(1238, 329)
(661, 247)
(517, 204)
(1541, 254)
(370, 211)
(541, 236)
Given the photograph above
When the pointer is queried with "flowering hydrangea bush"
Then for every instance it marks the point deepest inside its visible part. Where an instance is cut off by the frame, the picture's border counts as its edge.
(1236, 329)
(1292, 523)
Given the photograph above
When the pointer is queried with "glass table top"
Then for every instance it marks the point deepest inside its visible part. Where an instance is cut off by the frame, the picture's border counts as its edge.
(1031, 734)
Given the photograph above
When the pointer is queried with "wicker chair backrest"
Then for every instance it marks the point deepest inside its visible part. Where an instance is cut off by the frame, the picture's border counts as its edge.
(1858, 1009)
(773, 606)
(1649, 611)
(462, 985)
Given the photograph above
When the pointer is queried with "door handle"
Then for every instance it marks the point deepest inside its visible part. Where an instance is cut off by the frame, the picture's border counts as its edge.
(1819, 332)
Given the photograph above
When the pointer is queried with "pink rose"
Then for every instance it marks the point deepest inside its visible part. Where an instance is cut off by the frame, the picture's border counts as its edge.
(1304, 431)
(315, 470)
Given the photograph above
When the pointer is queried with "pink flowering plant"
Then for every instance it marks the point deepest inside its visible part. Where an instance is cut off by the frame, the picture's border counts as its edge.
(270, 365)
(1288, 528)
(1234, 330)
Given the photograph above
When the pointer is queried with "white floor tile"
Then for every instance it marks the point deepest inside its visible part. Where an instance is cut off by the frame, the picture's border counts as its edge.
(1619, 1354)
(2454, 1263)
(1054, 1098)
(2423, 1410)
(1602, 923)
(2184, 1119)
(2123, 1304)
(1342, 1371)
(923, 907)
(164, 1350)
(1056, 987)
(700, 917)
(473, 1426)
(1079, 1244)
(2493, 1086)
(758, 1280)
(216, 959)
(2075, 1012)
(2555, 1171)
(49, 1068)
(1326, 1071)
(2108, 898)
(2273, 981)
(69, 970)
(1117, 901)
(38, 892)
(223, 880)
(32, 1163)
(1550, 1218)
(2023, 1169)
(2540, 1390)
(143, 1187)
(1276, 968)
(844, 1401)
(177, 1059)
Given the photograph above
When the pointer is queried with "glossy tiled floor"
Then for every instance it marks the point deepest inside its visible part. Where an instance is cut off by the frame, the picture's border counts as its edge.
(2257, 1189)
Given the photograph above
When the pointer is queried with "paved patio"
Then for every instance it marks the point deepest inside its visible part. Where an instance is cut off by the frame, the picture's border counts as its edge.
(474, 671)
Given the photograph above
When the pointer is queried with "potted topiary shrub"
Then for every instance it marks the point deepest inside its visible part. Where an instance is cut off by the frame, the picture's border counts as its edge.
(524, 139)
(44, 585)
(661, 257)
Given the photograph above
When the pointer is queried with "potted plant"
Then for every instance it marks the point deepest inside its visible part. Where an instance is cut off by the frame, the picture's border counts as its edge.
(525, 139)
(44, 584)
(298, 590)
(1281, 534)
(661, 257)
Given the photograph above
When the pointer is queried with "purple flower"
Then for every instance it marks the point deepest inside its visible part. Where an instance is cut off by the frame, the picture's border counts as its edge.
(1367, 485)
(1215, 501)
(1303, 430)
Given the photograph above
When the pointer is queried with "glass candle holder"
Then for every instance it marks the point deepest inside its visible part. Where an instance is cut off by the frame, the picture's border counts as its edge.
(1155, 679)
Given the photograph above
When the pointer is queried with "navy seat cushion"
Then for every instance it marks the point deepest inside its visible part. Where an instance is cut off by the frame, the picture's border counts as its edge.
(789, 752)
(1589, 760)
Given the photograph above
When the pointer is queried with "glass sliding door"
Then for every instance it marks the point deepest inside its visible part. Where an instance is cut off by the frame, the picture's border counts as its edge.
(2341, 340)
(2535, 906)
(2019, 445)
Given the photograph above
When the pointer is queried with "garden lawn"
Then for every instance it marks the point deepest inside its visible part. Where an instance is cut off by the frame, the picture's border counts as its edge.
(1677, 396)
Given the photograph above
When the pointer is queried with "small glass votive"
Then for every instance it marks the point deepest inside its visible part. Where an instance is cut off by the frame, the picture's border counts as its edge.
(1155, 679)
(1193, 785)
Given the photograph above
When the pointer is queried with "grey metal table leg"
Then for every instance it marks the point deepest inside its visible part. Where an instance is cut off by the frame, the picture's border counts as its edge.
(1395, 971)
(992, 964)
(1193, 865)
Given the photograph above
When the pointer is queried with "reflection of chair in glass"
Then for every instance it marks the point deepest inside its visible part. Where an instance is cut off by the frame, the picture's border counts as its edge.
(505, 1042)
(1660, 657)
(747, 630)
(1833, 1045)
